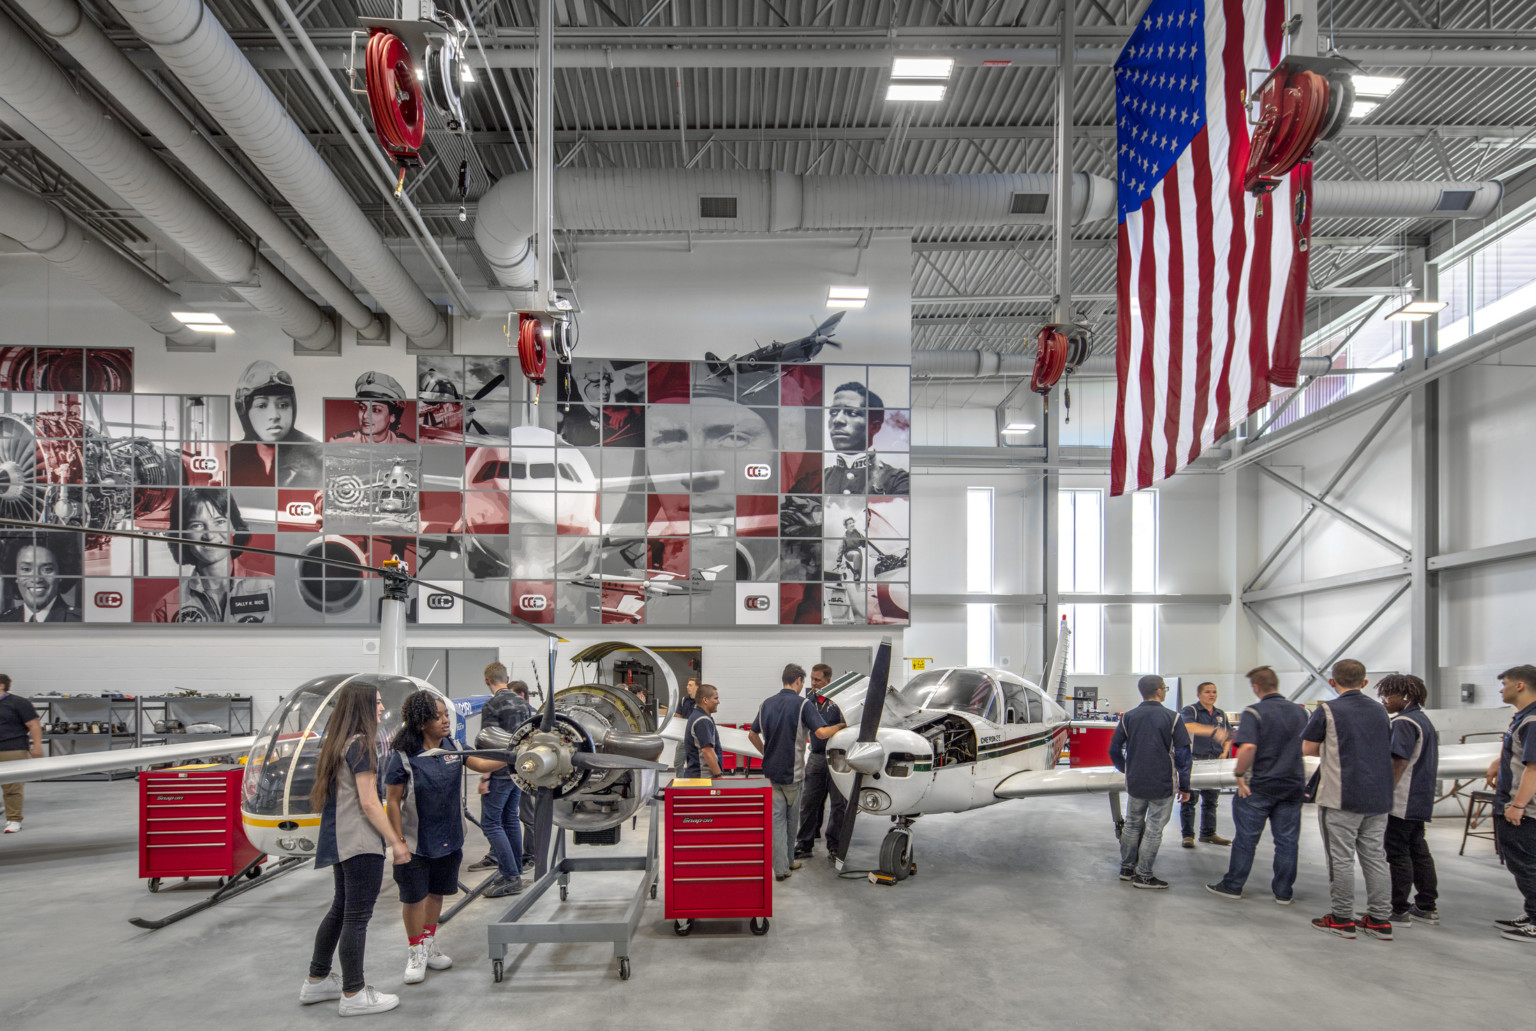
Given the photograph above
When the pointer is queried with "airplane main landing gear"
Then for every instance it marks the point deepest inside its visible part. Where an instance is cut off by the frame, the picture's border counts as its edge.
(896, 851)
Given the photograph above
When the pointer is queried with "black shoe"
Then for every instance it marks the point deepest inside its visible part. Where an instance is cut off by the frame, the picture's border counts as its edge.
(529, 862)
(803, 853)
(1424, 916)
(781, 876)
(1401, 916)
(1513, 925)
(488, 863)
(1220, 889)
(1333, 925)
(505, 887)
(1381, 929)
(1147, 882)
(1524, 933)
(1127, 872)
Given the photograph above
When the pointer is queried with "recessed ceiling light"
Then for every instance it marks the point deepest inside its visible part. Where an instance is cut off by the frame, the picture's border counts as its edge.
(925, 92)
(1018, 427)
(202, 322)
(847, 296)
(922, 68)
(1362, 108)
(218, 328)
(1418, 311)
(1378, 86)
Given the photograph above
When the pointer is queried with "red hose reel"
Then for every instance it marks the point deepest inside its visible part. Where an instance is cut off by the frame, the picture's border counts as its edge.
(395, 100)
(1058, 351)
(1298, 107)
(531, 351)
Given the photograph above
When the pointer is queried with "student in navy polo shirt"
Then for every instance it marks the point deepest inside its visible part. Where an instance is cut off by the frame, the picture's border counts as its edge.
(1209, 732)
(701, 738)
(1270, 783)
(1415, 755)
(684, 710)
(424, 810)
(818, 786)
(1354, 795)
(1151, 747)
(1514, 774)
(779, 733)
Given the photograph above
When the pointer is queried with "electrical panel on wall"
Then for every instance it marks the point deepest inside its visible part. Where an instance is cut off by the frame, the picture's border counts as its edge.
(664, 493)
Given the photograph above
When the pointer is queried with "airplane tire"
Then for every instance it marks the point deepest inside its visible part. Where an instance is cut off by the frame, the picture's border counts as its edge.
(896, 855)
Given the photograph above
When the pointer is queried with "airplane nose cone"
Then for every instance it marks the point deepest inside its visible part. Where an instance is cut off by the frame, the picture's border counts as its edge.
(867, 757)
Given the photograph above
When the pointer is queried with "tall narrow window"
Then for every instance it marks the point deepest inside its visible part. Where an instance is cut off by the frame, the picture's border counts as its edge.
(980, 532)
(1144, 532)
(1080, 555)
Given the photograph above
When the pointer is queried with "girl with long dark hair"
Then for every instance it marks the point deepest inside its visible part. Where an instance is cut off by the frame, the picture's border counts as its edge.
(353, 830)
(424, 810)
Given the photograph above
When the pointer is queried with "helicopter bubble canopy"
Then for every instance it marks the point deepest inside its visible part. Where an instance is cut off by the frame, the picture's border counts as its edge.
(280, 768)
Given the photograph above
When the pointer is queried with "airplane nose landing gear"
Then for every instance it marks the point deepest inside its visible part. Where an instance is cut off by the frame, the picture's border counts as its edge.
(896, 856)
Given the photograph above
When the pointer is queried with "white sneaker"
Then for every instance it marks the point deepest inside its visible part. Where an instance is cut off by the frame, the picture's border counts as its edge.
(369, 1000)
(435, 958)
(13, 826)
(416, 964)
(323, 990)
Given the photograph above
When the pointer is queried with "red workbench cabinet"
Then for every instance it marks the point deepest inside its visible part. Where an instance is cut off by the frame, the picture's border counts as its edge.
(189, 824)
(719, 854)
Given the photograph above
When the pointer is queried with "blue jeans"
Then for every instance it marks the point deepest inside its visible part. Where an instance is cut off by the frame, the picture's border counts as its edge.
(1143, 832)
(786, 826)
(1249, 816)
(502, 827)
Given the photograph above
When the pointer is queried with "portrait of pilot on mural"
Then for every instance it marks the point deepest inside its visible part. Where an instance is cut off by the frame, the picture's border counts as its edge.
(42, 578)
(267, 406)
(854, 418)
(711, 449)
(439, 378)
(205, 516)
(844, 597)
(381, 411)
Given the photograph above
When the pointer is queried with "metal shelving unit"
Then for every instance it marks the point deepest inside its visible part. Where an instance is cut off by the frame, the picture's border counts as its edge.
(235, 714)
(86, 709)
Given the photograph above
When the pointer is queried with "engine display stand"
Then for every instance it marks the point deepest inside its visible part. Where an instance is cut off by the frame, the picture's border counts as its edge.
(511, 929)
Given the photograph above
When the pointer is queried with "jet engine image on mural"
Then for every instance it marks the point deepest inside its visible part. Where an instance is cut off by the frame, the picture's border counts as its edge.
(768, 488)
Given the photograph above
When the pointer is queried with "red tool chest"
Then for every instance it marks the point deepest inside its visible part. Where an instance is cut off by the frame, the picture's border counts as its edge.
(189, 824)
(719, 853)
(1089, 745)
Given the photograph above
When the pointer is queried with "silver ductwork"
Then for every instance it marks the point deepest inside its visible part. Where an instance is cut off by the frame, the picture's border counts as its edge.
(36, 88)
(66, 22)
(198, 50)
(646, 200)
(43, 229)
(1345, 198)
(995, 364)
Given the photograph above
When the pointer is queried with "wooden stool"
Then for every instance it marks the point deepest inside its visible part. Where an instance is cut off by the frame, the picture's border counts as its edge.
(1479, 807)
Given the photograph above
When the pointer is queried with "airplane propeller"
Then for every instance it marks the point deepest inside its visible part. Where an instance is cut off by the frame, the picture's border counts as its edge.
(867, 755)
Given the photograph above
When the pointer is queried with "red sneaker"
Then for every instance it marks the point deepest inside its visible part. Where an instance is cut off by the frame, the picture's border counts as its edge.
(1333, 925)
(1381, 929)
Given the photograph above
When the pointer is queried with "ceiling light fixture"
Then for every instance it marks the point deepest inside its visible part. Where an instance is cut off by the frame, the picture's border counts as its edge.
(1378, 87)
(847, 296)
(922, 67)
(1417, 311)
(920, 92)
(1018, 427)
(203, 322)
(1362, 108)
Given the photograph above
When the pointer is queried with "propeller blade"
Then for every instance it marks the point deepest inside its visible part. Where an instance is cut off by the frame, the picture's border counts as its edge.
(548, 722)
(869, 726)
(494, 382)
(543, 830)
(604, 761)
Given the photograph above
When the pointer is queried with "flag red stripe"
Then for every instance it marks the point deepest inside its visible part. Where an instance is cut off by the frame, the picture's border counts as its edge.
(1234, 71)
(1117, 460)
(1204, 216)
(1148, 292)
(1174, 392)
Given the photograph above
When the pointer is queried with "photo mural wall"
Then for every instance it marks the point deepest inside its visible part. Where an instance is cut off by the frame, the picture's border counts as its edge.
(633, 492)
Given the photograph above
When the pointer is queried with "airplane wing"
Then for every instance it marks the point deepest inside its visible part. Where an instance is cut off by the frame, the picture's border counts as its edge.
(106, 761)
(731, 739)
(1456, 762)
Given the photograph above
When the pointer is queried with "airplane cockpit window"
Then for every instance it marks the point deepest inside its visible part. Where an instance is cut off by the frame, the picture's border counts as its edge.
(517, 470)
(491, 471)
(568, 472)
(961, 690)
(543, 470)
(1036, 706)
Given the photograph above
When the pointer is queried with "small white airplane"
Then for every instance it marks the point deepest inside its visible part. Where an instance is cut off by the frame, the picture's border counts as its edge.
(955, 739)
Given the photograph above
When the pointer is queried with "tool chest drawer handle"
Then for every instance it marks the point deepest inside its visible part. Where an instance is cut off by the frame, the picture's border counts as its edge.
(189, 844)
(720, 862)
(713, 848)
(712, 880)
(715, 830)
(204, 831)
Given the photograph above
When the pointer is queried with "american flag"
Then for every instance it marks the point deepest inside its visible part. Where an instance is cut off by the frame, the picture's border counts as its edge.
(1212, 280)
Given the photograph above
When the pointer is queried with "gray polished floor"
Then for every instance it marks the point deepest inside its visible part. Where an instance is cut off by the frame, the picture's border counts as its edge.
(1015, 919)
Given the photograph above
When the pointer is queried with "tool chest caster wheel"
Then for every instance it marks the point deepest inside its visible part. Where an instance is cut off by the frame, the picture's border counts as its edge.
(154, 884)
(759, 925)
(682, 928)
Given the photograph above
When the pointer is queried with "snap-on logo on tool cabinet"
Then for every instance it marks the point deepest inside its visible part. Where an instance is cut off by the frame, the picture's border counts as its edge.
(758, 471)
(299, 509)
(109, 600)
(205, 464)
(688, 819)
(533, 602)
(439, 601)
(755, 603)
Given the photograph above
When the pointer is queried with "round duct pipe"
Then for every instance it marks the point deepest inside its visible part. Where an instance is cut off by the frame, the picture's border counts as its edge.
(198, 50)
(43, 229)
(713, 201)
(1336, 198)
(129, 87)
(994, 364)
(35, 87)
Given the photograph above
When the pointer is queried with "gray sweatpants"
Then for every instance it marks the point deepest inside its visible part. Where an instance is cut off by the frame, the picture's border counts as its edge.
(1345, 836)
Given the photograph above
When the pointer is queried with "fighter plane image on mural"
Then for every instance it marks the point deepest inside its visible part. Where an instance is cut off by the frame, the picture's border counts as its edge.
(801, 350)
(960, 738)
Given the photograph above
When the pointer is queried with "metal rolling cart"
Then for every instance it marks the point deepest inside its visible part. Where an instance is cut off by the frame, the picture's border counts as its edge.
(720, 854)
(511, 929)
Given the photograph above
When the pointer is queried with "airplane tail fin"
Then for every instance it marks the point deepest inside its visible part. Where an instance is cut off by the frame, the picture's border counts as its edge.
(1056, 670)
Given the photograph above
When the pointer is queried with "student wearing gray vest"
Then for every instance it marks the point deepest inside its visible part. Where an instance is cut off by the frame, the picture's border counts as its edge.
(1514, 776)
(1151, 747)
(1270, 782)
(1352, 737)
(1415, 755)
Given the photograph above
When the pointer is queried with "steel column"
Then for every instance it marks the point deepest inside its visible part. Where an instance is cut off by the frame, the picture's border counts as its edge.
(1424, 630)
(1050, 495)
(544, 157)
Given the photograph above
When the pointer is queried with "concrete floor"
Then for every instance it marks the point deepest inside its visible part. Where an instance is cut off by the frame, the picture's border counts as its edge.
(1014, 920)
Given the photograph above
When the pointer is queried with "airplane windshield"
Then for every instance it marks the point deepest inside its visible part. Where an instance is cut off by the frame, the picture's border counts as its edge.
(961, 690)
